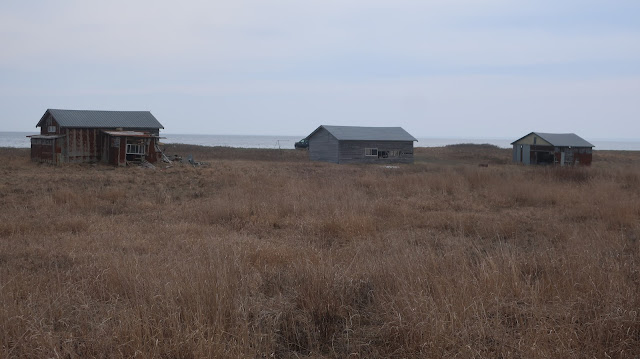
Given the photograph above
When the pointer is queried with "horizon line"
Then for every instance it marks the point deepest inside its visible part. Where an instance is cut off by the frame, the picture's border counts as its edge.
(440, 137)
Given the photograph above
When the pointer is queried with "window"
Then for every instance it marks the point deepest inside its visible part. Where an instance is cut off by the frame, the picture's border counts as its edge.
(52, 129)
(371, 152)
(134, 149)
(535, 140)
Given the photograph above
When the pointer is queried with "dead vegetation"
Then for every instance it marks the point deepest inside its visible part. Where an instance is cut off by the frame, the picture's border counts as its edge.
(288, 258)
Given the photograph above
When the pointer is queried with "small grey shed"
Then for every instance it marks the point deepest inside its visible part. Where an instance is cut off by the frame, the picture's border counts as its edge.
(354, 144)
(552, 149)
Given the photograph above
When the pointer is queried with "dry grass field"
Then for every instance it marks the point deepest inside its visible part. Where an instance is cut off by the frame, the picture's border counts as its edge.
(263, 254)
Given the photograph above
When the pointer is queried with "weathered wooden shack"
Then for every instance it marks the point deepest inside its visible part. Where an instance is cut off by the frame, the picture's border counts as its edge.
(353, 144)
(115, 137)
(552, 149)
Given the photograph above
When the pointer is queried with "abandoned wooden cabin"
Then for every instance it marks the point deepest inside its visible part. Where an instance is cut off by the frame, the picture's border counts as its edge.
(352, 144)
(115, 137)
(552, 149)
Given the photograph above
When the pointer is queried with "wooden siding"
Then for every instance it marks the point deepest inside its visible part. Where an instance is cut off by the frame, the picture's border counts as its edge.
(583, 156)
(153, 156)
(323, 147)
(83, 145)
(540, 154)
(79, 145)
(574, 155)
(354, 151)
(47, 150)
(48, 122)
(114, 149)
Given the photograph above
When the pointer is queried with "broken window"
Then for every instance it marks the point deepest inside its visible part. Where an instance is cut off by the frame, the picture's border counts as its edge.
(371, 152)
(135, 149)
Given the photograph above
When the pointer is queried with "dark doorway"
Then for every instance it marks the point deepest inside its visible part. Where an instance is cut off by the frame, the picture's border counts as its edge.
(545, 158)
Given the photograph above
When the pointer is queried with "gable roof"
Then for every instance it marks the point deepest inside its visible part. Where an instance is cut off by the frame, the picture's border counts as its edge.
(560, 139)
(102, 119)
(358, 133)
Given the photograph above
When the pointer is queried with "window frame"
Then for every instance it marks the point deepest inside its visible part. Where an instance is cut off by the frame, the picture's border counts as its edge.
(138, 146)
(369, 152)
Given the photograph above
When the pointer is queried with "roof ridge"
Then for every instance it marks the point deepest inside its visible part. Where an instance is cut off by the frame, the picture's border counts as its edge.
(568, 139)
(366, 133)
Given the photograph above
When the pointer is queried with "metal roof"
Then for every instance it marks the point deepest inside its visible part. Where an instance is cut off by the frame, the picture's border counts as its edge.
(46, 137)
(357, 133)
(102, 119)
(561, 139)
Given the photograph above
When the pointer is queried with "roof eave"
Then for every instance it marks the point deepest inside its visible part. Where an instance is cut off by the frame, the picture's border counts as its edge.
(50, 112)
(39, 124)
(379, 139)
(551, 143)
(108, 127)
(514, 142)
(314, 131)
(413, 139)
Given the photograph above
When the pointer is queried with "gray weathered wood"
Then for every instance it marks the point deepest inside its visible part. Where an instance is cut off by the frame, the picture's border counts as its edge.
(325, 147)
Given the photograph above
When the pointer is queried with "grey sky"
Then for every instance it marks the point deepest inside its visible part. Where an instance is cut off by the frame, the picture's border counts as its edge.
(456, 68)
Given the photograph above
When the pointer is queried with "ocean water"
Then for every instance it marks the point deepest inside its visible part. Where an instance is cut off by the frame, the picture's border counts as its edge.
(15, 139)
(20, 140)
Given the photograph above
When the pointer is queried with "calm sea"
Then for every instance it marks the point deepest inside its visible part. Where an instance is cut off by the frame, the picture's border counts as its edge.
(19, 139)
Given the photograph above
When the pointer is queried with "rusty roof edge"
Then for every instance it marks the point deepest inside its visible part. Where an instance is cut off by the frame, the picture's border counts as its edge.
(131, 134)
(46, 136)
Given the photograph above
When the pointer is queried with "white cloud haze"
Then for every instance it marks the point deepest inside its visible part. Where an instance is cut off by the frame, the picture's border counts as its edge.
(437, 68)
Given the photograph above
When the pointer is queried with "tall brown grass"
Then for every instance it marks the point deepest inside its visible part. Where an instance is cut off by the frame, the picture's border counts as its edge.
(287, 258)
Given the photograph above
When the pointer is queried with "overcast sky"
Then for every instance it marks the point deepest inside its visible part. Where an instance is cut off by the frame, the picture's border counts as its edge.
(454, 68)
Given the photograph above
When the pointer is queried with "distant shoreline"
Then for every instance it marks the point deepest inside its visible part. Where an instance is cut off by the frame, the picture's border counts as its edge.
(19, 140)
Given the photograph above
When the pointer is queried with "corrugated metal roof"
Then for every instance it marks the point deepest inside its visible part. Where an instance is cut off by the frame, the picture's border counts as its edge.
(46, 136)
(358, 133)
(103, 119)
(561, 139)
